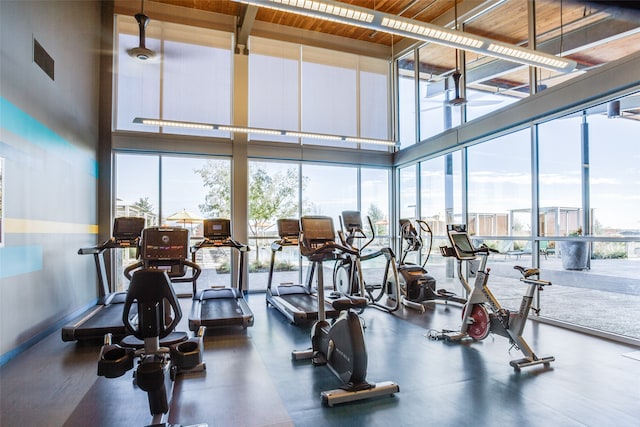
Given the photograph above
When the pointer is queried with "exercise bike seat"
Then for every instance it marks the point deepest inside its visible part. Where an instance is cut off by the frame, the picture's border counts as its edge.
(527, 272)
(345, 303)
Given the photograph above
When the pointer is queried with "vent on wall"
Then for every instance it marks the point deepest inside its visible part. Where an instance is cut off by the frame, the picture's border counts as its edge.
(43, 59)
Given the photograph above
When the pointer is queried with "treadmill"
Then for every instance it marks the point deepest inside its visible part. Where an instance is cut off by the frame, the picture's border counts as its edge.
(106, 317)
(298, 303)
(220, 306)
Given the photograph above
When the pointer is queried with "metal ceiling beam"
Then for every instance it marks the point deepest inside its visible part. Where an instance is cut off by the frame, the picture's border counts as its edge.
(573, 42)
(576, 41)
(243, 29)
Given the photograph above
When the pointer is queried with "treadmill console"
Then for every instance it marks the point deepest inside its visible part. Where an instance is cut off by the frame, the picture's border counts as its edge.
(289, 231)
(165, 248)
(317, 231)
(126, 232)
(217, 233)
(217, 230)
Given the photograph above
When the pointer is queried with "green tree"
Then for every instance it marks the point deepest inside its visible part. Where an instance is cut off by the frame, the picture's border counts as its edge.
(270, 197)
(144, 205)
(216, 175)
(377, 216)
(146, 210)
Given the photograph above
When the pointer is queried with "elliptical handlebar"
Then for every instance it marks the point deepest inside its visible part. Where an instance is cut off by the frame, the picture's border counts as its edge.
(355, 232)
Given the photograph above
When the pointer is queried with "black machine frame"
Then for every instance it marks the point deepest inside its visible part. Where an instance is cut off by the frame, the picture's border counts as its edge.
(297, 302)
(106, 316)
(220, 306)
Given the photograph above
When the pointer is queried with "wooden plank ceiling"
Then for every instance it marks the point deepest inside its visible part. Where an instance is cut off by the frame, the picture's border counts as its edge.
(589, 32)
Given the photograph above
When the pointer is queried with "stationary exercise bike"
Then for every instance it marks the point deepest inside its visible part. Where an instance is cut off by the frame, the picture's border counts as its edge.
(162, 352)
(417, 285)
(347, 281)
(339, 345)
(483, 313)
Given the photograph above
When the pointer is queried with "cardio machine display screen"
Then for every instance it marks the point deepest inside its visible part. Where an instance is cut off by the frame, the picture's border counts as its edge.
(165, 244)
(352, 220)
(127, 228)
(461, 245)
(217, 229)
(288, 228)
(318, 228)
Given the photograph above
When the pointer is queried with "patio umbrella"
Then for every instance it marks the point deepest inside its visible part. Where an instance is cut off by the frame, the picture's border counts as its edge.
(185, 217)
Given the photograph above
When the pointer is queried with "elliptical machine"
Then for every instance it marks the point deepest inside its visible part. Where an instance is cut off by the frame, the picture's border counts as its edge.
(162, 352)
(339, 345)
(346, 281)
(483, 313)
(417, 285)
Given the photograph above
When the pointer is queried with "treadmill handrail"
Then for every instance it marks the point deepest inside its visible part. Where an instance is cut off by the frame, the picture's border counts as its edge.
(229, 242)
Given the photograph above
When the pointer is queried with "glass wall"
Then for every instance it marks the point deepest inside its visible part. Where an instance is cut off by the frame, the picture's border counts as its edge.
(274, 193)
(189, 78)
(298, 87)
(440, 205)
(274, 69)
(588, 238)
(407, 100)
(499, 186)
(134, 197)
(177, 191)
(589, 170)
(290, 190)
(436, 90)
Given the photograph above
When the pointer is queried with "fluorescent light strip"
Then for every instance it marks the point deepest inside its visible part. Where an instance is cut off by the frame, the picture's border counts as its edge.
(329, 10)
(261, 131)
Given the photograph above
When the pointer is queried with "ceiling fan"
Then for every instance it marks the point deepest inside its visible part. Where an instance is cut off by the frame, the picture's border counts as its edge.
(458, 100)
(141, 52)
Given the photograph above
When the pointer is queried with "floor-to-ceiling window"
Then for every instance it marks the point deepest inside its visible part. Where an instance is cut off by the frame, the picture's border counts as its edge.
(587, 239)
(189, 78)
(589, 211)
(302, 88)
(177, 191)
(274, 193)
(290, 190)
(440, 205)
(134, 197)
(499, 202)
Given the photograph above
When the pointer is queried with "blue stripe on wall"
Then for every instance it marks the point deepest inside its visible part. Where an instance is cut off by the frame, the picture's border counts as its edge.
(18, 122)
(17, 260)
